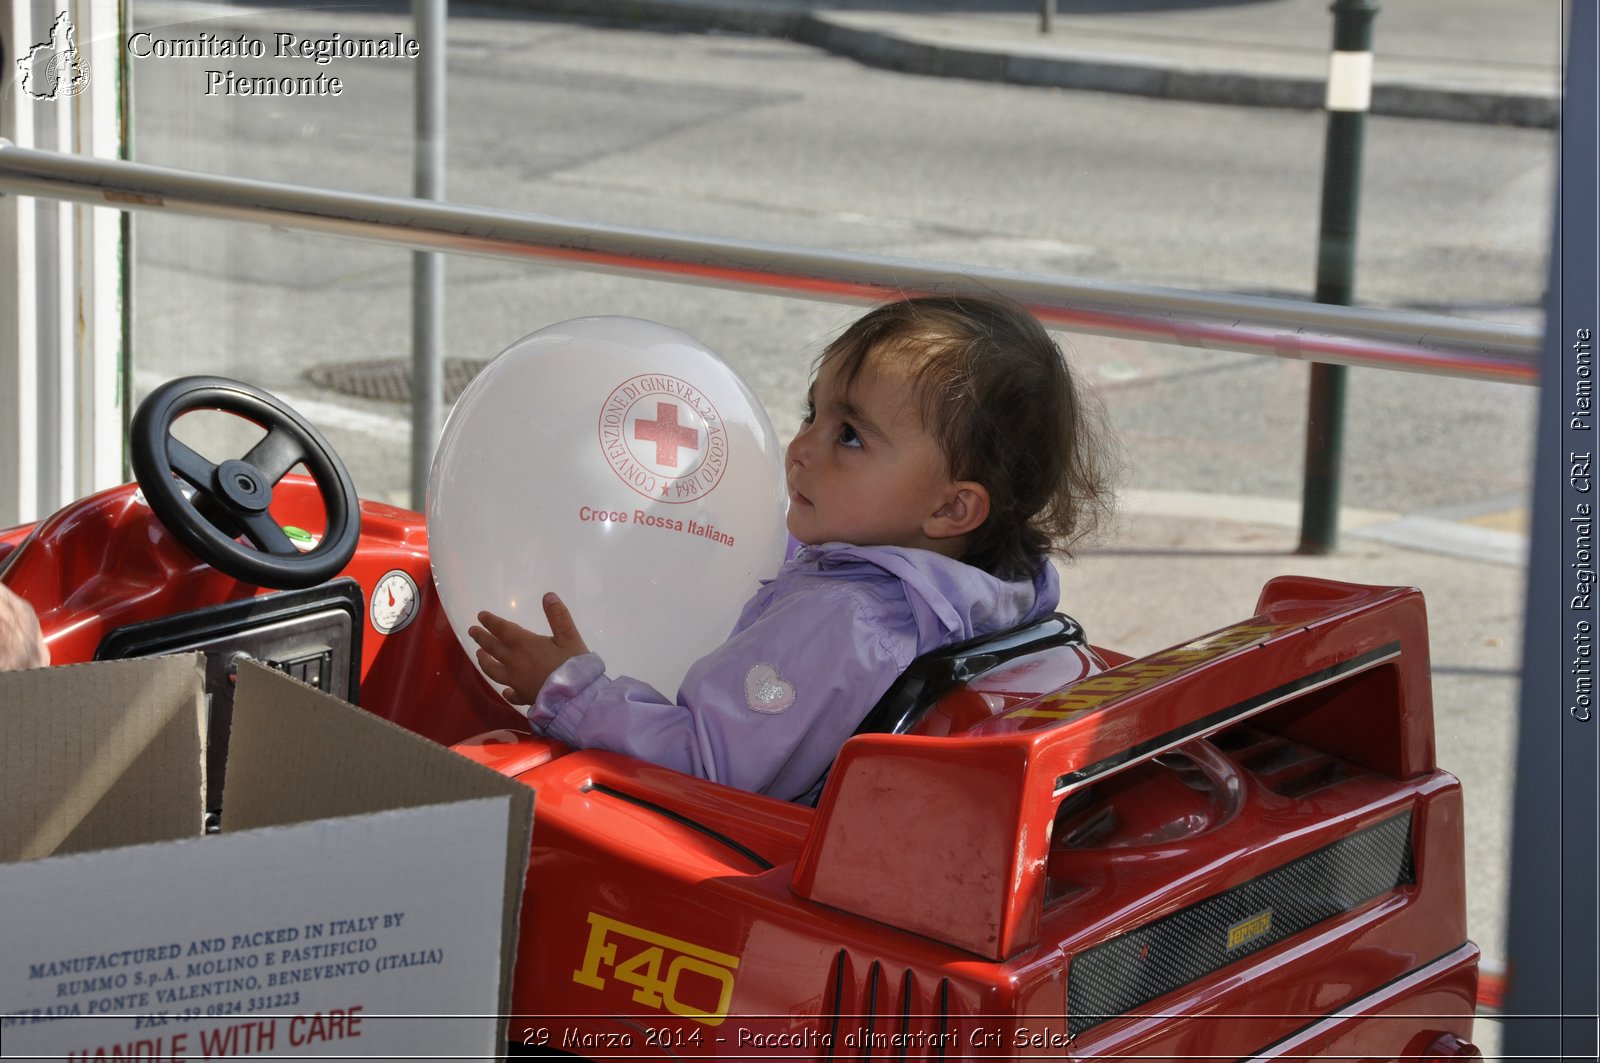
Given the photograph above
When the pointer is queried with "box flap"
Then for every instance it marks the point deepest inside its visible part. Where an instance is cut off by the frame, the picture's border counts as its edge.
(101, 755)
(289, 761)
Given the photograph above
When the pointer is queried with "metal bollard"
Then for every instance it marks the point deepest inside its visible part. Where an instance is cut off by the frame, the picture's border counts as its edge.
(427, 267)
(1349, 96)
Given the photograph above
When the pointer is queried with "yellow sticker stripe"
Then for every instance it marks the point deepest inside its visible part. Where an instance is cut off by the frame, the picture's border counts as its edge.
(1146, 672)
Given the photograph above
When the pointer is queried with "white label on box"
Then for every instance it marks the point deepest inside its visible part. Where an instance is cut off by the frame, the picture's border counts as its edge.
(364, 936)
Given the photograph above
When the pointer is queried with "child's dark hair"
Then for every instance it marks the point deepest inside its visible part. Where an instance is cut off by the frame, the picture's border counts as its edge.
(995, 391)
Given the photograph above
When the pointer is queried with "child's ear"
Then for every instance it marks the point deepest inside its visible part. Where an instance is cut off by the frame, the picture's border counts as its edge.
(966, 508)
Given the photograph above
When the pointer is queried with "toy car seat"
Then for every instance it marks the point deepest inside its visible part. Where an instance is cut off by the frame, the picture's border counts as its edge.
(937, 672)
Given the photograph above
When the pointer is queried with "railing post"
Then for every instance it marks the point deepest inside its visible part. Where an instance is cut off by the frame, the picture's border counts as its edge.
(64, 344)
(427, 267)
(1047, 16)
(1349, 94)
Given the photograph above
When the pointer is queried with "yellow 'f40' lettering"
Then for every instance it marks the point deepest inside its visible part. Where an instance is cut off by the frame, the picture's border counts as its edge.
(703, 976)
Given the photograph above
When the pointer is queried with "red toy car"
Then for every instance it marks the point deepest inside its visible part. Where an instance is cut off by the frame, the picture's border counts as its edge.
(1239, 847)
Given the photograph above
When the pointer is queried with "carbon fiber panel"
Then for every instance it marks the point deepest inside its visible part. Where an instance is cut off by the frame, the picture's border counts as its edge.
(1119, 975)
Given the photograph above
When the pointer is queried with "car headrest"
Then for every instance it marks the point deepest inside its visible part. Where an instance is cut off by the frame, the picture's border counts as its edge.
(934, 674)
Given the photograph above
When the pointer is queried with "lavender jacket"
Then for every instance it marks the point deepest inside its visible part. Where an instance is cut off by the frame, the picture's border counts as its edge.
(811, 654)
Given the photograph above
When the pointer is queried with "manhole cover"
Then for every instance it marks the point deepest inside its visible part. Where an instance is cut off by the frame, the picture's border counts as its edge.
(390, 380)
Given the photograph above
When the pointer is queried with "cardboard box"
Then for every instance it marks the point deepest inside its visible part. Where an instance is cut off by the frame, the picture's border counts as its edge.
(360, 901)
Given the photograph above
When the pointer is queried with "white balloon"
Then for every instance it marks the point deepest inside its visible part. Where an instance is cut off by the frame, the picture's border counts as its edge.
(623, 465)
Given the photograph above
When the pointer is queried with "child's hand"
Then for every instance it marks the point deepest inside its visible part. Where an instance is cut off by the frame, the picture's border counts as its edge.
(521, 660)
(21, 645)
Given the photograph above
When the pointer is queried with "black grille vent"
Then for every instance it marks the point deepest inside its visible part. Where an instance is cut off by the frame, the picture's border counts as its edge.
(885, 1028)
(1119, 975)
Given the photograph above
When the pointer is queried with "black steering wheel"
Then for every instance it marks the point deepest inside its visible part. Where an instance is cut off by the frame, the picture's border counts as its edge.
(230, 499)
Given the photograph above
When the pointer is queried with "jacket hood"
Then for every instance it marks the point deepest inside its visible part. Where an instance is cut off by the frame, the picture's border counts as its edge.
(950, 600)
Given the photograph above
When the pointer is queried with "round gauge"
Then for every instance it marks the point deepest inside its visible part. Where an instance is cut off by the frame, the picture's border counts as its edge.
(394, 602)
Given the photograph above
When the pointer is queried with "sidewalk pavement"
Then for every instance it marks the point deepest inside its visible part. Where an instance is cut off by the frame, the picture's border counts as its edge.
(1461, 60)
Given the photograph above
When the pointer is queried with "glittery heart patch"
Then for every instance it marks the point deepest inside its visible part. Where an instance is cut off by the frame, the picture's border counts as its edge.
(766, 691)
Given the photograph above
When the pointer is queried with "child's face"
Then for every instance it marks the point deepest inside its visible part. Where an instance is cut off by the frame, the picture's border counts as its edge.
(863, 469)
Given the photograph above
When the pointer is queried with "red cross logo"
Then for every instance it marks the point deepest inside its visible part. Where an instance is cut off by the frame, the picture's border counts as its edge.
(667, 434)
(648, 455)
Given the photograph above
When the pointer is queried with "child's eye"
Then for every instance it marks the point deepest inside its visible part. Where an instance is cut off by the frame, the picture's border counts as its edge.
(848, 436)
(809, 414)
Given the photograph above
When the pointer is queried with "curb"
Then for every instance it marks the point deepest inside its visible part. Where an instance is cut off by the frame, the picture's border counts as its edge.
(1416, 531)
(768, 18)
(1064, 69)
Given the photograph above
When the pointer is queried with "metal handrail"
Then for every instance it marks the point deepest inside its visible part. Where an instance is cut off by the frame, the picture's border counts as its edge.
(1285, 328)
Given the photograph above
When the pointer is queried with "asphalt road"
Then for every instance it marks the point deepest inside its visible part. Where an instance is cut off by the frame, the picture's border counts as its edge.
(762, 139)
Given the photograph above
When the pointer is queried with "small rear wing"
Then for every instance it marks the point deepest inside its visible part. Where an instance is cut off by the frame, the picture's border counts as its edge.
(949, 836)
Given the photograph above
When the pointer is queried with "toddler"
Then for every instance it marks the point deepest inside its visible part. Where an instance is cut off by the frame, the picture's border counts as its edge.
(944, 452)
